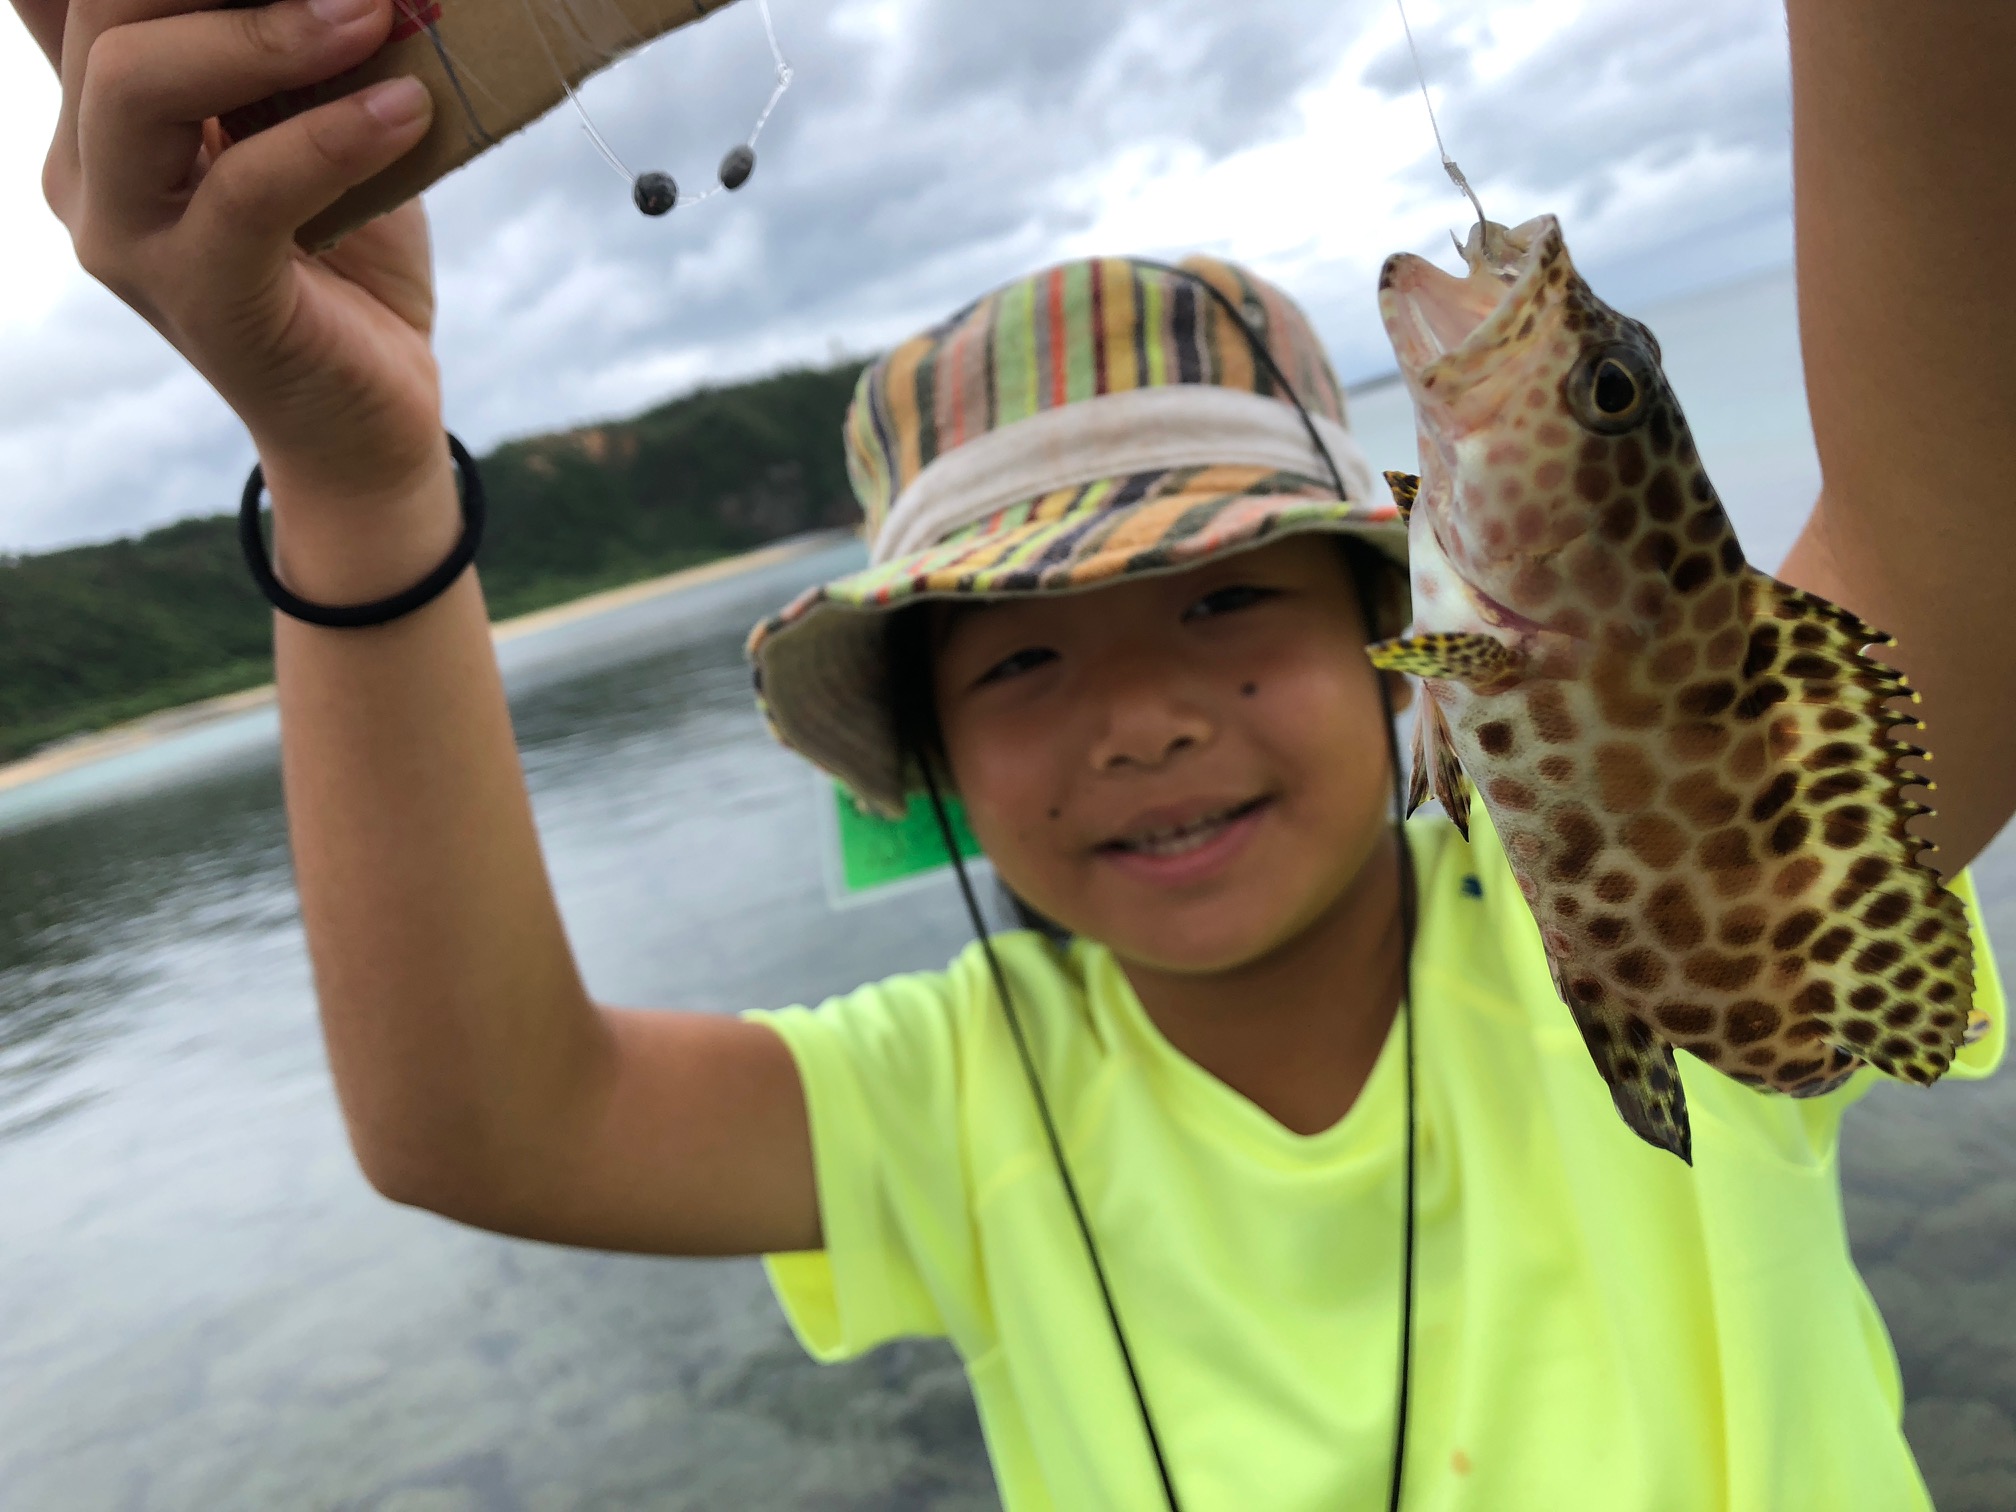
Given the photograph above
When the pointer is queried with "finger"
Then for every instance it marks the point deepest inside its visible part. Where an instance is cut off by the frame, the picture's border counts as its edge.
(150, 85)
(44, 20)
(260, 191)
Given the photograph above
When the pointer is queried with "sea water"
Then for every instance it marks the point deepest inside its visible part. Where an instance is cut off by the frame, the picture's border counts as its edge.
(203, 1306)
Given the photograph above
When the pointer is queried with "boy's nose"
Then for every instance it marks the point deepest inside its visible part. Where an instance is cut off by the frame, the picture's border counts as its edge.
(1147, 723)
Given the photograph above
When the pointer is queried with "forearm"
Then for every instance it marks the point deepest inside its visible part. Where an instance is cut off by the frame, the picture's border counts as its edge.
(1902, 120)
(461, 1038)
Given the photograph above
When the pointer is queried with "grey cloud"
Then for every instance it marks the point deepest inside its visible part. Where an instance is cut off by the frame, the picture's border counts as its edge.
(898, 179)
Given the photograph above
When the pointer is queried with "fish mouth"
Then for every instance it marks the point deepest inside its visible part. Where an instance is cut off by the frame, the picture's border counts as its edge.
(1436, 319)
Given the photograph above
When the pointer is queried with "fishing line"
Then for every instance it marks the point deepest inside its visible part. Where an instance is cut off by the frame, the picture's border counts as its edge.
(1448, 163)
(600, 32)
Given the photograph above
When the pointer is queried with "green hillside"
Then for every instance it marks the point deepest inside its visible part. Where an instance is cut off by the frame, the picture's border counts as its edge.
(97, 634)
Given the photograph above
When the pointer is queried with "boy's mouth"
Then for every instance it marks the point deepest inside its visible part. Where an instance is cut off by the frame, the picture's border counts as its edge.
(1161, 836)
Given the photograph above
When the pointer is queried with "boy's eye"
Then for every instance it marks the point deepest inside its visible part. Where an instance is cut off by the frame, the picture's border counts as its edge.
(1227, 600)
(1025, 660)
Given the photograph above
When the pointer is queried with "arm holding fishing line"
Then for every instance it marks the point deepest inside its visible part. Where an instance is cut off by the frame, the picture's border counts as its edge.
(476, 1076)
(1905, 219)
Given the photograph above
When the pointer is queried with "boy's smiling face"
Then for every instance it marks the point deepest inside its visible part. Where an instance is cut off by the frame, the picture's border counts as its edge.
(1189, 768)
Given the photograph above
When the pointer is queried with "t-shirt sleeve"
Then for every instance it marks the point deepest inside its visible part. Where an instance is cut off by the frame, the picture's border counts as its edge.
(880, 1072)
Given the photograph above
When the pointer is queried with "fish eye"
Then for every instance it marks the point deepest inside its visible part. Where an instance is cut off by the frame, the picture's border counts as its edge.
(1615, 390)
(1611, 388)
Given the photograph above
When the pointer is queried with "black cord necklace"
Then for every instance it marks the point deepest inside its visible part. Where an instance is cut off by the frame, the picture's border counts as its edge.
(1368, 599)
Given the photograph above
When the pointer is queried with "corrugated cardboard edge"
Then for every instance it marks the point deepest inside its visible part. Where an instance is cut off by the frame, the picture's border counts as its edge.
(506, 81)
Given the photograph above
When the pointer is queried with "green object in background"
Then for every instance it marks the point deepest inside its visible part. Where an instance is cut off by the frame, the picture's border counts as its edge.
(876, 853)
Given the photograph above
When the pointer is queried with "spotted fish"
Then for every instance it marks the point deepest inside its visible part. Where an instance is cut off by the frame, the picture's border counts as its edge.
(1691, 765)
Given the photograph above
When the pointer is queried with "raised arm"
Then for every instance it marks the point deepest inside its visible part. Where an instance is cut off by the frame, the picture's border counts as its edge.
(1903, 120)
(476, 1077)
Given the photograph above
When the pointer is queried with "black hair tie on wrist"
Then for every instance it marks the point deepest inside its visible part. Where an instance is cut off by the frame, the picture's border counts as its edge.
(357, 616)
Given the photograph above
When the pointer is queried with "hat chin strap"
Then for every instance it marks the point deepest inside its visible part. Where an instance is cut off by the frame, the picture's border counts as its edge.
(1111, 436)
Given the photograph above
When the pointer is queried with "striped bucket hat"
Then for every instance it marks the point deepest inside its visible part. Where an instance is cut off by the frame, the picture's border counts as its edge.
(1105, 418)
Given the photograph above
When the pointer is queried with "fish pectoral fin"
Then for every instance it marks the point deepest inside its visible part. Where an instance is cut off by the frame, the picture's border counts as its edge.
(1465, 656)
(1405, 487)
(1896, 985)
(1438, 768)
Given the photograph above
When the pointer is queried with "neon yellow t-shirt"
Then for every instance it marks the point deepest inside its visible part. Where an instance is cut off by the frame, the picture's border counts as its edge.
(1597, 1326)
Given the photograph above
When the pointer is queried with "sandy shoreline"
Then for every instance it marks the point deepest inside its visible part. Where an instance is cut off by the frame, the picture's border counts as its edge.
(118, 739)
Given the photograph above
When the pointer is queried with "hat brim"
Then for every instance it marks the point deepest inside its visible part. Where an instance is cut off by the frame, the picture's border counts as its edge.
(821, 663)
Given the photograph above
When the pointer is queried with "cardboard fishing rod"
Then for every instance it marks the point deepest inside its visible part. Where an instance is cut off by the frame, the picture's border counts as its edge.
(493, 67)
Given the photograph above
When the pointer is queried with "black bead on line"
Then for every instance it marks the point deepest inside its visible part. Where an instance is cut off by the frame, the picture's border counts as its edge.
(656, 193)
(380, 611)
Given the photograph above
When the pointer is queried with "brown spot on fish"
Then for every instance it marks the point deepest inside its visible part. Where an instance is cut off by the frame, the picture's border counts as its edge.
(1706, 699)
(1714, 607)
(1784, 736)
(1672, 661)
(1795, 928)
(1685, 1018)
(1552, 433)
(1655, 552)
(1761, 652)
(1550, 475)
(1809, 634)
(1762, 698)
(1834, 753)
(1616, 886)
(1697, 742)
(1866, 998)
(1670, 910)
(1662, 498)
(1742, 926)
(1927, 930)
(1659, 431)
(1594, 483)
(1510, 793)
(1831, 946)
(1750, 1021)
(1630, 462)
(1725, 646)
(1793, 1072)
(1609, 930)
(1859, 1032)
(1581, 841)
(1707, 526)
(1731, 554)
(1796, 875)
(1557, 769)
(1835, 785)
(1619, 520)
(1767, 804)
(1655, 840)
(1495, 737)
(1703, 799)
(1640, 968)
(1625, 777)
(1816, 999)
(1845, 828)
(1810, 667)
(1746, 759)
(1551, 720)
(1902, 1015)
(1692, 573)
(1880, 956)
(1908, 979)
(1648, 601)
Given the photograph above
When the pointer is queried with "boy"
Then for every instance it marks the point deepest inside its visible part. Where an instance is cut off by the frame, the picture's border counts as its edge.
(1181, 766)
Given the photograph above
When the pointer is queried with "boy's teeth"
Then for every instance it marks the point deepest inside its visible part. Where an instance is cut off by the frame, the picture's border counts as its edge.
(1179, 838)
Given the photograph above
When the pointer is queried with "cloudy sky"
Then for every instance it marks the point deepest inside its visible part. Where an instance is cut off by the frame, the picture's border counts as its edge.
(929, 150)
